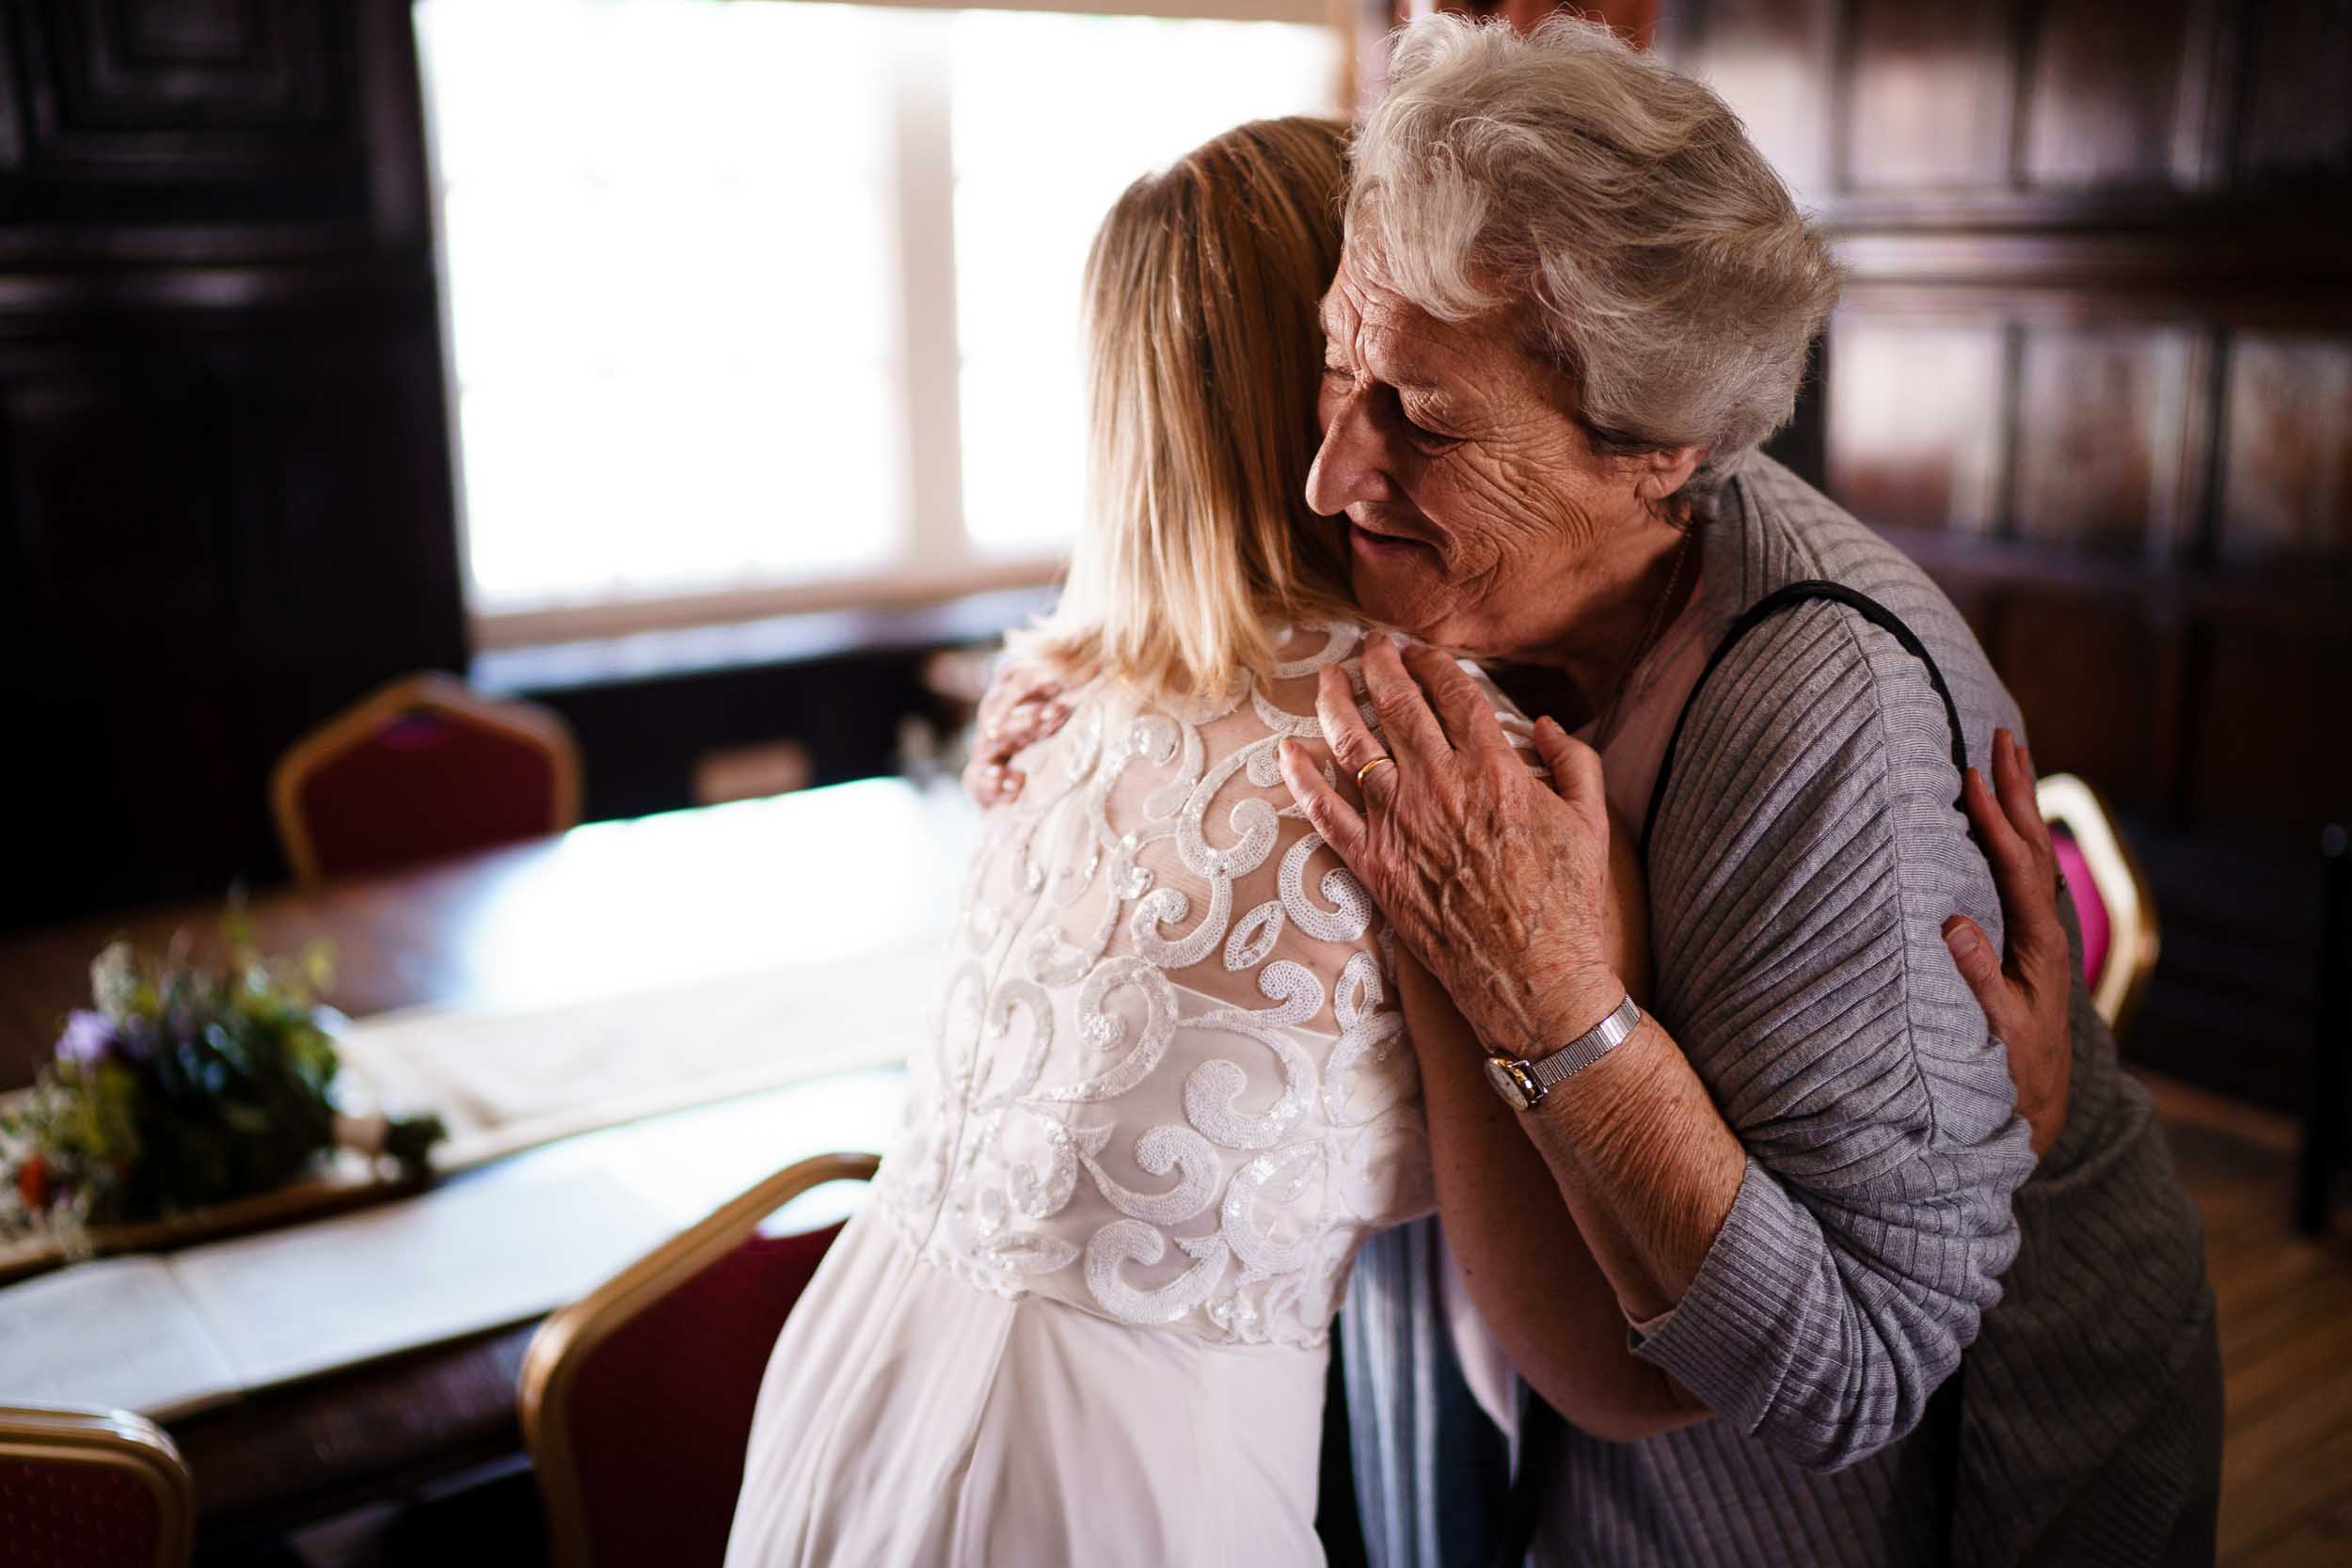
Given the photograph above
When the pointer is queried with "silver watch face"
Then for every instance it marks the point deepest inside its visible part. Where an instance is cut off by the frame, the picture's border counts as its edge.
(1504, 1074)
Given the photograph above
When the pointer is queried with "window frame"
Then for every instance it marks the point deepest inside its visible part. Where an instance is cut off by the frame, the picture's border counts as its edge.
(937, 561)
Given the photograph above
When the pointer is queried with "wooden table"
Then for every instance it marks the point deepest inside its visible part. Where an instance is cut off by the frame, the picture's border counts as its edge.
(609, 907)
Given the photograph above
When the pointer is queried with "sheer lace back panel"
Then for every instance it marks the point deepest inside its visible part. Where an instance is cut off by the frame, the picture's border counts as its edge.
(1168, 1083)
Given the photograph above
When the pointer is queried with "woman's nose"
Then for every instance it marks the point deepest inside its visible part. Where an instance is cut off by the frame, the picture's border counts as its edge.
(1351, 464)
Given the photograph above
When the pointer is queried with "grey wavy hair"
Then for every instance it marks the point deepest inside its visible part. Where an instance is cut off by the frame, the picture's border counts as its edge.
(1613, 204)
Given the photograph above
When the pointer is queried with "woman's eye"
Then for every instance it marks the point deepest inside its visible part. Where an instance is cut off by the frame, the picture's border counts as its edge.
(1427, 435)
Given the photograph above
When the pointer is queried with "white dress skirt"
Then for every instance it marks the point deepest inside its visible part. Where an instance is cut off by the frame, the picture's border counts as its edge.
(1085, 1318)
(945, 1424)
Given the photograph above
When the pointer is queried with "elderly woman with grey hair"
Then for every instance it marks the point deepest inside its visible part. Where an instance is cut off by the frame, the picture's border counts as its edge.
(1573, 299)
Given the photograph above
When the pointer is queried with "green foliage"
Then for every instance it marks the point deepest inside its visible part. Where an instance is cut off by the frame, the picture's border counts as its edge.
(184, 1087)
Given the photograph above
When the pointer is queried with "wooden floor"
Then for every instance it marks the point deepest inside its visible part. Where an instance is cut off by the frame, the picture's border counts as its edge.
(2286, 1340)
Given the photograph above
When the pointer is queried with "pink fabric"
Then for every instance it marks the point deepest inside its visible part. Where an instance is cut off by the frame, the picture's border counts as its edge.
(1654, 694)
(2091, 909)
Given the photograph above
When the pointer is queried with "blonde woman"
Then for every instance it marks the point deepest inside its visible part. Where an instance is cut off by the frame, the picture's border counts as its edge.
(1085, 1318)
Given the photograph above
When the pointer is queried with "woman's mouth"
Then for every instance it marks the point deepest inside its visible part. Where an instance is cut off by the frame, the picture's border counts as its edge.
(1387, 546)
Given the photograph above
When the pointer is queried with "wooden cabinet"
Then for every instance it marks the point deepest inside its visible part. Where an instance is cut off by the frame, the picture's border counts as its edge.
(224, 453)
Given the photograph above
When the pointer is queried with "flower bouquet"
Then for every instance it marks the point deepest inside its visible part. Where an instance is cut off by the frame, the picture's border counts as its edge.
(180, 1089)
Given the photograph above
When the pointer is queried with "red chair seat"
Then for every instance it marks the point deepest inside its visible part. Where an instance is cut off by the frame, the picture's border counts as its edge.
(662, 1410)
(419, 770)
(56, 1515)
(86, 1487)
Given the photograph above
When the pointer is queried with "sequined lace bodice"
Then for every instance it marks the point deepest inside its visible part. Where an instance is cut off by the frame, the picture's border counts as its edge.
(1168, 1083)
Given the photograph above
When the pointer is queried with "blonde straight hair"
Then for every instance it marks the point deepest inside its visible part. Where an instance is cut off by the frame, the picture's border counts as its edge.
(1204, 350)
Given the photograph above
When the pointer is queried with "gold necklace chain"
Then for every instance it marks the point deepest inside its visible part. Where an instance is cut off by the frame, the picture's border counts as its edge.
(1606, 728)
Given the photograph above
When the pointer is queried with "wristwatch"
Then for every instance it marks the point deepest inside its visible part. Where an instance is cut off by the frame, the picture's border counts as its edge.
(1523, 1085)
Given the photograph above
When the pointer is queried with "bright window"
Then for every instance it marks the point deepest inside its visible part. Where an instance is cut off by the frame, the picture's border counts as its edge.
(757, 303)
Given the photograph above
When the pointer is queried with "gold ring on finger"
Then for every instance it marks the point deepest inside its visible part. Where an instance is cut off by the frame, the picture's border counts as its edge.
(1365, 771)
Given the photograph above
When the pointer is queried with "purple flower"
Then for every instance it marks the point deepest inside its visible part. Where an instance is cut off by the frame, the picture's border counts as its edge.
(88, 1039)
(138, 1039)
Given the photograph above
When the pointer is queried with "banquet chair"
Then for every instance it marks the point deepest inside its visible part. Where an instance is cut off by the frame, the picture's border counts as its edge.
(637, 1399)
(2112, 900)
(89, 1488)
(419, 768)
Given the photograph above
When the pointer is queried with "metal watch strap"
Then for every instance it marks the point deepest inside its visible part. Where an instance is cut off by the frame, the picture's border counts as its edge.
(1587, 1048)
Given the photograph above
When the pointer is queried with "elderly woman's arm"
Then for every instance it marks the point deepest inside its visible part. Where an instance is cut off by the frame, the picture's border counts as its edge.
(1548, 1305)
(1552, 1311)
(1822, 1245)
(1536, 1284)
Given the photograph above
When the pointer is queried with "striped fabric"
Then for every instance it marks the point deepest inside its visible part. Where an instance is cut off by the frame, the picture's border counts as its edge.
(1807, 854)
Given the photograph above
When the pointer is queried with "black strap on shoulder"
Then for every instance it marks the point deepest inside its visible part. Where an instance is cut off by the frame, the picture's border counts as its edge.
(1541, 1428)
(1763, 610)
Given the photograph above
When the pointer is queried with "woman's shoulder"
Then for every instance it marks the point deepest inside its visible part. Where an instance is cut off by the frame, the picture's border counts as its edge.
(1819, 659)
(1255, 710)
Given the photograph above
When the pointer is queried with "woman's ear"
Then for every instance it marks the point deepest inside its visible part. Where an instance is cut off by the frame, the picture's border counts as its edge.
(1661, 473)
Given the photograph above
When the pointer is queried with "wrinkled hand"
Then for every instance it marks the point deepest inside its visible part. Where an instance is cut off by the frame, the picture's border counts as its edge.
(1497, 881)
(2024, 995)
(1022, 707)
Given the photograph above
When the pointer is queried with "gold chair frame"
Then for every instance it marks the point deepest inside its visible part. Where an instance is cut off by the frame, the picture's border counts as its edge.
(114, 1440)
(557, 1352)
(432, 691)
(2132, 938)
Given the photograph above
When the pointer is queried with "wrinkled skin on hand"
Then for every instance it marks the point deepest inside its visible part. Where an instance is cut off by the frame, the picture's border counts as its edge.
(1023, 707)
(1498, 881)
(2025, 993)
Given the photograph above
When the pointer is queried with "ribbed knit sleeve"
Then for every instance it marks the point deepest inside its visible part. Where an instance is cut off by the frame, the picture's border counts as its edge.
(1801, 869)
(1815, 851)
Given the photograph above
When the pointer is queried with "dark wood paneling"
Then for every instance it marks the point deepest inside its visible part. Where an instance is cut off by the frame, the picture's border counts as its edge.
(2100, 416)
(177, 72)
(116, 470)
(2230, 1005)
(2105, 89)
(220, 541)
(342, 542)
(2084, 677)
(1898, 457)
(2287, 464)
(2296, 126)
(1931, 97)
(2275, 748)
(1772, 59)
(167, 130)
(186, 32)
(222, 425)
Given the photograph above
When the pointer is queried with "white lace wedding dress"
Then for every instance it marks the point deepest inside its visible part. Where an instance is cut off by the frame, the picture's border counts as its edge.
(1083, 1318)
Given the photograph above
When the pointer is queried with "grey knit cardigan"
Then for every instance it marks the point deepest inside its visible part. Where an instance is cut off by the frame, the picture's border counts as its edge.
(1805, 856)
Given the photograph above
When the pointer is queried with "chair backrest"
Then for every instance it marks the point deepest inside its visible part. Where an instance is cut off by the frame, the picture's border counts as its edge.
(86, 1488)
(637, 1399)
(419, 768)
(2113, 902)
